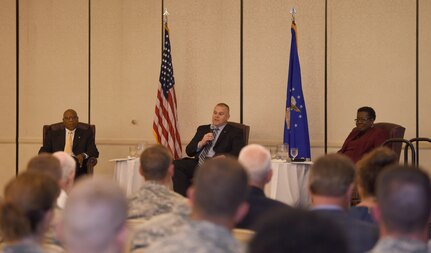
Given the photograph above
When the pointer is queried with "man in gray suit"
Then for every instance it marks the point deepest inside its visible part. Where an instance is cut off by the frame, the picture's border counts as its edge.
(331, 185)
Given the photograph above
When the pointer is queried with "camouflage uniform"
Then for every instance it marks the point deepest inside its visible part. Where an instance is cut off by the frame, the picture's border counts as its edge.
(399, 245)
(178, 233)
(154, 199)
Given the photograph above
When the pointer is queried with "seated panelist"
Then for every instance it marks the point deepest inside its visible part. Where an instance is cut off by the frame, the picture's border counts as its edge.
(364, 137)
(75, 141)
(218, 138)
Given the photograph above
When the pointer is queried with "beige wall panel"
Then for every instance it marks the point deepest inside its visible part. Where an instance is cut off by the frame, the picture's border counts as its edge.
(8, 164)
(425, 80)
(8, 94)
(205, 52)
(53, 66)
(267, 39)
(371, 61)
(126, 42)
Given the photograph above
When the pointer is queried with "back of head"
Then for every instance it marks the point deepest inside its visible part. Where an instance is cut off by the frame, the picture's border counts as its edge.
(95, 213)
(220, 186)
(404, 198)
(331, 175)
(45, 163)
(27, 198)
(155, 162)
(256, 159)
(370, 166)
(67, 164)
(295, 230)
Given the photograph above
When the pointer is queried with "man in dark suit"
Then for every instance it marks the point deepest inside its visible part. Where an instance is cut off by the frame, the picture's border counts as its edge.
(75, 141)
(218, 138)
(331, 184)
(256, 159)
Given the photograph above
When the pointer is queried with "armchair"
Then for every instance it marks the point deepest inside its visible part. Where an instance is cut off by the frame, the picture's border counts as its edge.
(91, 161)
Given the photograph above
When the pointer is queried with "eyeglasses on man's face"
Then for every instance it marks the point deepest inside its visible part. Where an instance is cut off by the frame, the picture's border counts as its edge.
(361, 120)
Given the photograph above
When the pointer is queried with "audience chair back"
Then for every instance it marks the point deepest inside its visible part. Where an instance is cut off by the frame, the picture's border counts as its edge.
(394, 131)
(92, 161)
(245, 130)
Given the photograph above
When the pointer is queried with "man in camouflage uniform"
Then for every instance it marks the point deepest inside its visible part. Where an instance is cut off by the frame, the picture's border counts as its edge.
(218, 203)
(155, 197)
(404, 205)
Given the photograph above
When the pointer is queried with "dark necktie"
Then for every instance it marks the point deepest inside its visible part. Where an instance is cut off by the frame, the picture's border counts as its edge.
(204, 152)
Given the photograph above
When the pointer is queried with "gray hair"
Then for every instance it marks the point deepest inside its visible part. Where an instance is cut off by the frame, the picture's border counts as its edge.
(256, 159)
(67, 164)
(95, 212)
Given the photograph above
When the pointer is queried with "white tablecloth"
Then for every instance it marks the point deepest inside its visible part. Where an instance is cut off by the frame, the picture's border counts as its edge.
(289, 183)
(126, 174)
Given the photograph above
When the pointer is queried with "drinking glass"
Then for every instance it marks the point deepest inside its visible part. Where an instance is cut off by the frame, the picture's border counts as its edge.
(132, 151)
(139, 149)
(293, 153)
(282, 152)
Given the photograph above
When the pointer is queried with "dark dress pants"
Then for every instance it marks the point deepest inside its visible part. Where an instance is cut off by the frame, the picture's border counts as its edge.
(183, 175)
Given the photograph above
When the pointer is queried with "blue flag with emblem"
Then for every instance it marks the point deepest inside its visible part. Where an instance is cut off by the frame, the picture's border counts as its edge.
(296, 125)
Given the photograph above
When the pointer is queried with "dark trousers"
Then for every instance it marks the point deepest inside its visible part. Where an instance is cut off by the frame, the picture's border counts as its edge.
(183, 175)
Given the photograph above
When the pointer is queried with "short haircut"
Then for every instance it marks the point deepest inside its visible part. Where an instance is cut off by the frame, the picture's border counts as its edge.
(27, 198)
(404, 198)
(295, 230)
(370, 166)
(45, 163)
(224, 105)
(370, 111)
(155, 162)
(220, 186)
(67, 163)
(256, 159)
(331, 175)
(95, 211)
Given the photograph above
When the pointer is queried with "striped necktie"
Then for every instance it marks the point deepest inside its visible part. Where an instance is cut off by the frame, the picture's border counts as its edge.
(204, 152)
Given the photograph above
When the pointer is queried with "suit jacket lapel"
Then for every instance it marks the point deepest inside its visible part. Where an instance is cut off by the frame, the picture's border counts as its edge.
(76, 138)
(62, 138)
(222, 136)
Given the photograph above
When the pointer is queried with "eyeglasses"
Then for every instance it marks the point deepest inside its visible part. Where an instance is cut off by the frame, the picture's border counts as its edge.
(361, 120)
(70, 118)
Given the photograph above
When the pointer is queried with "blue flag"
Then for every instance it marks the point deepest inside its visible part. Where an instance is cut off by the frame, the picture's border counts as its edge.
(295, 125)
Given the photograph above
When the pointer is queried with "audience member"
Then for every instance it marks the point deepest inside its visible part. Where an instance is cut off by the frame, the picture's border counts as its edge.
(364, 137)
(94, 219)
(403, 210)
(218, 202)
(50, 165)
(331, 183)
(256, 159)
(218, 138)
(67, 165)
(368, 168)
(155, 197)
(26, 211)
(46, 164)
(297, 231)
(75, 141)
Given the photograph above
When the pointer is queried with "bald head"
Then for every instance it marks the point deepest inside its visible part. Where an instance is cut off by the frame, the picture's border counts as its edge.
(256, 159)
(94, 216)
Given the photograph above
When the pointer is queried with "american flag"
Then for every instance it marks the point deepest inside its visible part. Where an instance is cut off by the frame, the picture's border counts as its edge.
(165, 125)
